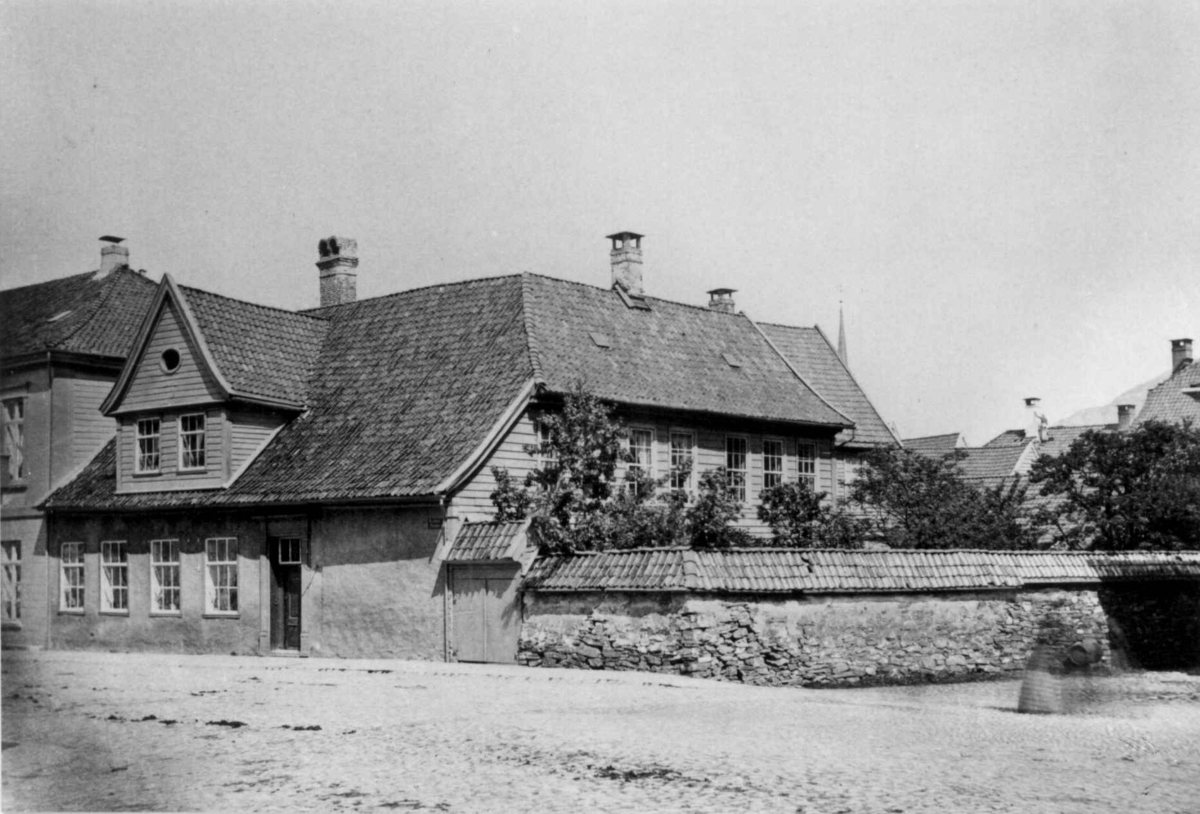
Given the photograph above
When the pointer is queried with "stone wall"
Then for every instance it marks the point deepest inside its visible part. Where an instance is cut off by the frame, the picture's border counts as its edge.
(811, 641)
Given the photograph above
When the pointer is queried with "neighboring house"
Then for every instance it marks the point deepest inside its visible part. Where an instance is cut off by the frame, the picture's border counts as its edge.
(295, 483)
(1178, 398)
(62, 345)
(936, 446)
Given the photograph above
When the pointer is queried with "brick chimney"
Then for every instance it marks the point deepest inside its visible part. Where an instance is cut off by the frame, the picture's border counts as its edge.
(112, 256)
(721, 299)
(626, 258)
(1125, 414)
(1181, 351)
(339, 270)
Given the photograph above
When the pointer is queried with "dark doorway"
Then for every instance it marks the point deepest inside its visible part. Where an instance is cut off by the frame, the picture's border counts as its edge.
(286, 553)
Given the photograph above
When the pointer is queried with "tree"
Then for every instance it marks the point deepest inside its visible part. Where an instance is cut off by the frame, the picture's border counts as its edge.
(1125, 491)
(717, 506)
(913, 501)
(802, 518)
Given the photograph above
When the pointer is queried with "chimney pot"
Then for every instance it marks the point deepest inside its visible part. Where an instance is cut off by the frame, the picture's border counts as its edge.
(112, 256)
(626, 259)
(1181, 351)
(721, 299)
(338, 265)
(1125, 413)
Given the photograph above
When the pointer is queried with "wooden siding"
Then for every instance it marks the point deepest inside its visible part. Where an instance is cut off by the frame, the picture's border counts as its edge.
(169, 478)
(473, 502)
(154, 389)
(248, 432)
(90, 428)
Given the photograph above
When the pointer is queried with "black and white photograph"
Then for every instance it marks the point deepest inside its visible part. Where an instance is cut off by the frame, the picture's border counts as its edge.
(612, 406)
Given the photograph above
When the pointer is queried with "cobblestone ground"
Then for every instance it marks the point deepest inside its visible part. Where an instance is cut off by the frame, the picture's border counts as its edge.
(93, 731)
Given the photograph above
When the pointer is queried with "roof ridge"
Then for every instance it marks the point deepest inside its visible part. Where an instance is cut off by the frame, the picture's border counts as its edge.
(861, 389)
(531, 342)
(108, 287)
(472, 281)
(264, 307)
(7, 291)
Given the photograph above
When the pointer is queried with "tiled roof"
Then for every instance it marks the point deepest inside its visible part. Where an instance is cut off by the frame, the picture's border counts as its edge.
(838, 571)
(935, 446)
(77, 314)
(489, 542)
(671, 355)
(1059, 441)
(989, 466)
(817, 362)
(1168, 402)
(261, 351)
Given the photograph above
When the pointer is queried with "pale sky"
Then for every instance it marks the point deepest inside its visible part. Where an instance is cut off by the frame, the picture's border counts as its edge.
(1005, 196)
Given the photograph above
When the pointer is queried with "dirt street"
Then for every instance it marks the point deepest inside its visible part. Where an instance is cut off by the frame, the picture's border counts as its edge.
(99, 731)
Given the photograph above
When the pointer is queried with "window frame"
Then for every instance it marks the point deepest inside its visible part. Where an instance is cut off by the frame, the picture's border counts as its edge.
(139, 455)
(114, 577)
(202, 450)
(781, 458)
(159, 566)
(648, 466)
(735, 475)
(691, 456)
(227, 573)
(12, 444)
(70, 588)
(10, 613)
(802, 459)
(295, 550)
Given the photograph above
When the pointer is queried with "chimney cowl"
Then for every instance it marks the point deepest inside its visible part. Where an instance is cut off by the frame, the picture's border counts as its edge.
(626, 260)
(1125, 414)
(338, 265)
(1181, 351)
(1036, 424)
(721, 299)
(112, 256)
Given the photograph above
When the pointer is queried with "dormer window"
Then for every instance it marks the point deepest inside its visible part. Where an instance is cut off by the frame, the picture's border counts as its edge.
(192, 443)
(169, 360)
(149, 437)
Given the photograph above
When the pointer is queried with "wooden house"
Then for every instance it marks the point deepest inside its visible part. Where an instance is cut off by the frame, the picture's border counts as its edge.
(297, 483)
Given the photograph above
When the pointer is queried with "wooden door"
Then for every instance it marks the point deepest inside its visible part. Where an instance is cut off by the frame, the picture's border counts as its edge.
(487, 615)
(286, 594)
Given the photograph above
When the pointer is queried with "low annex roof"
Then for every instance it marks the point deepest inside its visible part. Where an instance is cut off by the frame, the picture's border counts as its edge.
(935, 446)
(766, 570)
(75, 314)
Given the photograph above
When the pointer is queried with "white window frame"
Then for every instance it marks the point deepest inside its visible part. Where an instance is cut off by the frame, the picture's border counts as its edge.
(142, 441)
(13, 447)
(542, 433)
(676, 482)
(114, 577)
(780, 459)
(221, 576)
(165, 570)
(72, 578)
(738, 477)
(11, 552)
(647, 467)
(289, 550)
(201, 451)
(806, 465)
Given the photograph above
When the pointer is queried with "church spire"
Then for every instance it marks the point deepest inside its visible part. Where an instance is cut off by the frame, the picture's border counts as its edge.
(842, 352)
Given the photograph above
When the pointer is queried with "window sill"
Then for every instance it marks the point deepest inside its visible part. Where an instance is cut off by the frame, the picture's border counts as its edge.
(11, 625)
(70, 611)
(155, 474)
(16, 486)
(221, 615)
(165, 614)
(196, 470)
(114, 613)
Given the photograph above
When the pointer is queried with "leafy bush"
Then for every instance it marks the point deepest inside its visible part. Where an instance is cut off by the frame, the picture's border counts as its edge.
(710, 518)
(802, 518)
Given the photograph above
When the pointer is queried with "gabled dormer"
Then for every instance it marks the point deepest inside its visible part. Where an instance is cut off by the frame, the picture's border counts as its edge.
(207, 384)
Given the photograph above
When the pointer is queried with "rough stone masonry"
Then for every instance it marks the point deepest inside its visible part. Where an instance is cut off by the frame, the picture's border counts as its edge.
(812, 641)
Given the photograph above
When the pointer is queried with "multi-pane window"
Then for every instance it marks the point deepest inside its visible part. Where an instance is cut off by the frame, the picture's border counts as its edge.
(164, 576)
(806, 463)
(72, 576)
(290, 550)
(191, 441)
(735, 465)
(543, 454)
(114, 576)
(641, 452)
(12, 580)
(14, 440)
(149, 435)
(772, 463)
(682, 444)
(221, 575)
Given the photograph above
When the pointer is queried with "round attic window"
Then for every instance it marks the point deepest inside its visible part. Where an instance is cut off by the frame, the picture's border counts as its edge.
(170, 360)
